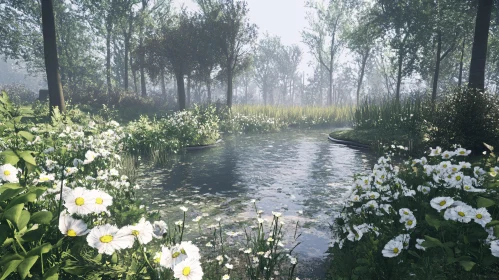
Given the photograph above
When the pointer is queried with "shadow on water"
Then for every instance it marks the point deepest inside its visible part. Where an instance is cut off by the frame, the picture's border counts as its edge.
(296, 172)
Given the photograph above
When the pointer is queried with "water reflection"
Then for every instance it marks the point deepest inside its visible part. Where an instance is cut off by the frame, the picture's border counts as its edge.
(297, 172)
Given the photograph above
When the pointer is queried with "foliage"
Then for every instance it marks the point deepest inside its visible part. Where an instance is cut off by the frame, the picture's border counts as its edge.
(429, 218)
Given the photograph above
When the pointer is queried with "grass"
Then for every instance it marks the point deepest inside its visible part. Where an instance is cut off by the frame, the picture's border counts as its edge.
(375, 138)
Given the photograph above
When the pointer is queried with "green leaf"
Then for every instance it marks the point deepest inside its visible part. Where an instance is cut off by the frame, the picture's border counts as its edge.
(413, 254)
(42, 249)
(26, 135)
(496, 231)
(23, 220)
(10, 257)
(484, 202)
(9, 157)
(25, 266)
(10, 186)
(34, 235)
(431, 242)
(4, 233)
(27, 157)
(24, 198)
(42, 217)
(114, 258)
(13, 213)
(9, 268)
(51, 274)
(9, 193)
(492, 223)
(468, 265)
(432, 221)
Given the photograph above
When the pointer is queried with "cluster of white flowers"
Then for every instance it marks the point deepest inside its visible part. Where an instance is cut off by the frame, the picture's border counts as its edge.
(377, 193)
(183, 259)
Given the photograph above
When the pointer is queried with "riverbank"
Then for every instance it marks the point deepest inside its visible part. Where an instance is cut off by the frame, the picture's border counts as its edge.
(374, 138)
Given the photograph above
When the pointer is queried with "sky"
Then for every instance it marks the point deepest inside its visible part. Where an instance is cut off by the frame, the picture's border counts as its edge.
(284, 18)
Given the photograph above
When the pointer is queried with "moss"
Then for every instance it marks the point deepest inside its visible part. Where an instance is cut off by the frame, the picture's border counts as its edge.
(373, 137)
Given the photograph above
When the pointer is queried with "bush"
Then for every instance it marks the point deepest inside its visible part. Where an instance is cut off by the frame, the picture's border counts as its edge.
(426, 219)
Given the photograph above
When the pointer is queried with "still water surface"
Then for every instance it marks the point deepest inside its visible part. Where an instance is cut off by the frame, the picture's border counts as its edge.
(297, 172)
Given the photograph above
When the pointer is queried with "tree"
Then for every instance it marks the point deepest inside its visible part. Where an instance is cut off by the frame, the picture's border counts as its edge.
(234, 37)
(323, 34)
(56, 97)
(479, 52)
(267, 66)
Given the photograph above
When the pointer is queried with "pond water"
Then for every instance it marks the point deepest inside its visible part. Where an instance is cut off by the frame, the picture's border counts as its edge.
(297, 172)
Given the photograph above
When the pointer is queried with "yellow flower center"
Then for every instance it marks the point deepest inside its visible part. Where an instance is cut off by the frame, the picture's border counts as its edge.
(461, 214)
(458, 178)
(479, 216)
(71, 233)
(80, 201)
(106, 238)
(68, 170)
(467, 187)
(186, 271)
(461, 152)
(454, 169)
(99, 200)
(183, 251)
(382, 176)
(442, 203)
(372, 195)
(446, 155)
(175, 255)
(6, 173)
(445, 165)
(355, 198)
(135, 232)
(366, 181)
(409, 223)
(406, 213)
(396, 250)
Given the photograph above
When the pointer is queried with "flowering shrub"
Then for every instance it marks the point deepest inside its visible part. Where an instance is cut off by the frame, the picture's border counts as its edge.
(66, 212)
(426, 218)
(250, 123)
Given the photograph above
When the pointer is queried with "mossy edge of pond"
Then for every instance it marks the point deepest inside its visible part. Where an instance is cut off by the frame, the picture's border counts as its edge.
(369, 137)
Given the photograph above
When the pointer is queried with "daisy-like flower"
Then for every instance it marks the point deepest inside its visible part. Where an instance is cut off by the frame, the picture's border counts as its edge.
(108, 238)
(419, 245)
(44, 177)
(90, 156)
(372, 195)
(441, 202)
(171, 257)
(481, 216)
(8, 173)
(226, 277)
(70, 171)
(447, 154)
(435, 152)
(392, 249)
(404, 238)
(405, 212)
(71, 227)
(461, 213)
(494, 248)
(277, 214)
(410, 222)
(462, 152)
(183, 208)
(102, 201)
(159, 228)
(371, 204)
(143, 231)
(424, 189)
(79, 201)
(229, 266)
(189, 269)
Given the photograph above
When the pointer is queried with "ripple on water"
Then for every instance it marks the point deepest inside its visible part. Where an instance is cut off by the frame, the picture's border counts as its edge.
(299, 173)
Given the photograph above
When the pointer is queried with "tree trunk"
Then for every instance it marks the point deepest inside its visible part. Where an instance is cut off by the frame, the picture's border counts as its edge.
(127, 51)
(437, 67)
(361, 75)
(208, 89)
(188, 92)
(480, 40)
(180, 91)
(163, 84)
(108, 54)
(461, 63)
(142, 53)
(399, 76)
(56, 97)
(229, 87)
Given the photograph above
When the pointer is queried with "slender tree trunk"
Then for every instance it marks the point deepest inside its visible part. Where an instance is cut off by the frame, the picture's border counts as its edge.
(174, 83)
(479, 52)
(163, 84)
(330, 90)
(180, 91)
(128, 35)
(108, 55)
(461, 63)
(142, 53)
(321, 83)
(56, 97)
(361, 75)
(437, 67)
(399, 76)
(208, 89)
(229, 86)
(188, 92)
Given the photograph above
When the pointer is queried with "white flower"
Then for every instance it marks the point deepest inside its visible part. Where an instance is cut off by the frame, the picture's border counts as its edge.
(424, 189)
(44, 177)
(143, 231)
(72, 227)
(102, 201)
(419, 245)
(481, 216)
(229, 266)
(189, 269)
(410, 222)
(247, 251)
(371, 204)
(447, 154)
(435, 152)
(90, 156)
(494, 248)
(79, 201)
(70, 171)
(392, 248)
(404, 238)
(183, 208)
(276, 214)
(108, 238)
(462, 152)
(461, 213)
(440, 203)
(226, 277)
(159, 228)
(8, 173)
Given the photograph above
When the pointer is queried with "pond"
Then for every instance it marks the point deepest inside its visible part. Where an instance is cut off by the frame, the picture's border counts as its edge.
(297, 172)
